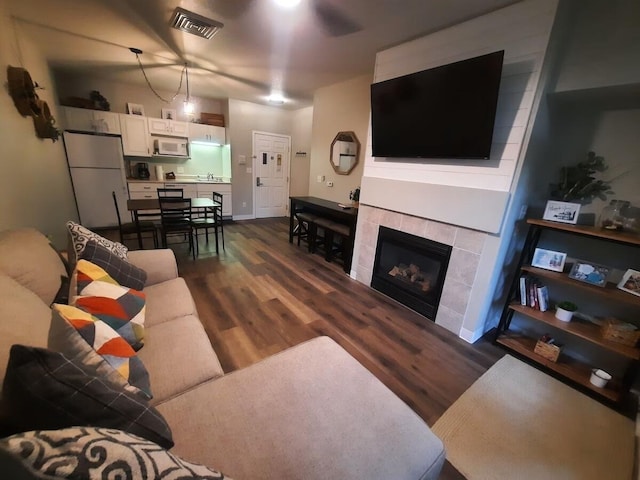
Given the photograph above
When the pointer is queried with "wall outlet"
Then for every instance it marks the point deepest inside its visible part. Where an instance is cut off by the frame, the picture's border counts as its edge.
(249, 170)
(180, 169)
(329, 184)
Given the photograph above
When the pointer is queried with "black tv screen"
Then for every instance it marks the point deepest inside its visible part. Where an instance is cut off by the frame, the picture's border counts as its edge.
(443, 112)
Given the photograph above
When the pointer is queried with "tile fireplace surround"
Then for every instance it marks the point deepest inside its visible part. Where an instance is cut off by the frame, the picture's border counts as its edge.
(463, 266)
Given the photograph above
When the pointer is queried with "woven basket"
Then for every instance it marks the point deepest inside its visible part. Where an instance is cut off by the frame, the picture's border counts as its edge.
(547, 350)
(620, 332)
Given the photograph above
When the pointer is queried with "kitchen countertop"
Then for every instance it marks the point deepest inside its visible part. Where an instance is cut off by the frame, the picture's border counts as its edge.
(178, 180)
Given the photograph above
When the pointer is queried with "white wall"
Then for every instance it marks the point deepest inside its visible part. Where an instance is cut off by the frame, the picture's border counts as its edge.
(602, 47)
(343, 106)
(35, 185)
(301, 131)
(522, 30)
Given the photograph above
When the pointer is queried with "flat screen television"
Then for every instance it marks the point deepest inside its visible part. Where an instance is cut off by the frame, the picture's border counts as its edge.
(443, 112)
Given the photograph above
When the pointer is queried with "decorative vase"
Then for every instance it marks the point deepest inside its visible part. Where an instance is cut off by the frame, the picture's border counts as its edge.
(563, 315)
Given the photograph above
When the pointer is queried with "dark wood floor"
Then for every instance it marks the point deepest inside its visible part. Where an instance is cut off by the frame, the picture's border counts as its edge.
(263, 295)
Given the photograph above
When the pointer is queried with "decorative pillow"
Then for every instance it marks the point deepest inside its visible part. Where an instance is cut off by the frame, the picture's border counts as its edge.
(121, 308)
(79, 237)
(44, 390)
(73, 453)
(119, 269)
(80, 336)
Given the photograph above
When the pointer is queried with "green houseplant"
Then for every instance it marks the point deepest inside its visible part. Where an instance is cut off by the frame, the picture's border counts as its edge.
(565, 310)
(354, 195)
(579, 183)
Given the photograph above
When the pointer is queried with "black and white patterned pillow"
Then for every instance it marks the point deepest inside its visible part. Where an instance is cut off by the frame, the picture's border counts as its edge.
(97, 453)
(44, 390)
(79, 237)
(119, 269)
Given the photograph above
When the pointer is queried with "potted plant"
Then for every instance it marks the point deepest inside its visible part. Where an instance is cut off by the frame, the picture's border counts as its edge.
(564, 310)
(354, 196)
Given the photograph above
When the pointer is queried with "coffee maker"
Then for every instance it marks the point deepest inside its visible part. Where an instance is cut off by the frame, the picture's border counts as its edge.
(143, 171)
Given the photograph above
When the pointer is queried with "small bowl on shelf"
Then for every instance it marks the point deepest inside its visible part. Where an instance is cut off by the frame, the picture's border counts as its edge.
(599, 378)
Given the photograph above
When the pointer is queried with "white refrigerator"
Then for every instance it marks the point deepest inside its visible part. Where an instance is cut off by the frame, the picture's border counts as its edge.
(96, 165)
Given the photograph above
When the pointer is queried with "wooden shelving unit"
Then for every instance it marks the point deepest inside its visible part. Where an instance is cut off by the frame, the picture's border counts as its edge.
(567, 367)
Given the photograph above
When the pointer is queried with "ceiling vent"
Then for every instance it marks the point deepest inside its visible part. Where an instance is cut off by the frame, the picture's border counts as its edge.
(195, 24)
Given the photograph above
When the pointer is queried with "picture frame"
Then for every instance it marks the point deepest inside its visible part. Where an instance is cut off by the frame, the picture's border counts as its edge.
(135, 109)
(548, 259)
(630, 282)
(563, 212)
(590, 272)
(169, 114)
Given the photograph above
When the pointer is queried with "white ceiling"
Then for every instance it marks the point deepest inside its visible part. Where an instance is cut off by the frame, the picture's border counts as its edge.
(261, 47)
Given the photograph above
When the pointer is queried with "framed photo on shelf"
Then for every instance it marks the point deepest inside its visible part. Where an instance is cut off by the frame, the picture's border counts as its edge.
(548, 259)
(135, 109)
(589, 273)
(169, 114)
(562, 212)
(630, 282)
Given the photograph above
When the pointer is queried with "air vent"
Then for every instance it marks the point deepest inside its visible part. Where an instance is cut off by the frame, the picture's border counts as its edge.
(195, 24)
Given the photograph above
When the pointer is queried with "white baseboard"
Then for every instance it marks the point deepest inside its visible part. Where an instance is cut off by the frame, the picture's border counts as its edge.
(470, 336)
(244, 217)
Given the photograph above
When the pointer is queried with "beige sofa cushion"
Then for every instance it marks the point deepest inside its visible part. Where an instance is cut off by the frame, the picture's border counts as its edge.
(310, 412)
(27, 256)
(178, 356)
(24, 319)
(168, 300)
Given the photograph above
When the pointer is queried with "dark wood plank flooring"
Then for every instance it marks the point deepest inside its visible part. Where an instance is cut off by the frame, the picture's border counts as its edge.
(262, 295)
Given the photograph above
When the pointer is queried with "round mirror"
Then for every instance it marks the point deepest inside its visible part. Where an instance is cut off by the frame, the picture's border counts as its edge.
(345, 152)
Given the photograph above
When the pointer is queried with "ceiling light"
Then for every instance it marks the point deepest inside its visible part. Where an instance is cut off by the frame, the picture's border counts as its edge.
(195, 24)
(276, 99)
(287, 3)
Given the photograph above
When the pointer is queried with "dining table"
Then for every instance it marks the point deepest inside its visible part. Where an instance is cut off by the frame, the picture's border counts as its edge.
(147, 207)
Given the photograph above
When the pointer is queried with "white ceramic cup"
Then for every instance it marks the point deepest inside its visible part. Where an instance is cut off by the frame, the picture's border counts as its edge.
(599, 378)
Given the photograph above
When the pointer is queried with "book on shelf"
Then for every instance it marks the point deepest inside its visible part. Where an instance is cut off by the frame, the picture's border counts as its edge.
(533, 293)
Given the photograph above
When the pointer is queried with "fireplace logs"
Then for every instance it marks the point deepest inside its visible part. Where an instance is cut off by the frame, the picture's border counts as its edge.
(411, 274)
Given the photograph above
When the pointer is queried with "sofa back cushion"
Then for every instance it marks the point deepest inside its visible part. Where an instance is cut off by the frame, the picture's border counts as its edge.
(27, 256)
(24, 319)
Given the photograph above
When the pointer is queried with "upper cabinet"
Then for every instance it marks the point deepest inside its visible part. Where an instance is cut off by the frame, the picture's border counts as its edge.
(135, 135)
(95, 121)
(170, 128)
(199, 132)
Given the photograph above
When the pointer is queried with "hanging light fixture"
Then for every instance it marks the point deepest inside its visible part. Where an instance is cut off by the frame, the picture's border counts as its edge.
(189, 107)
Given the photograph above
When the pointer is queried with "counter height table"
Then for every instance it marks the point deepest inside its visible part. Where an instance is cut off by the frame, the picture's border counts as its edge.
(153, 204)
(329, 210)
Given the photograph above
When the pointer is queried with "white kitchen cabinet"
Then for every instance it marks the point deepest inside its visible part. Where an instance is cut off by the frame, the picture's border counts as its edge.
(189, 190)
(135, 135)
(206, 189)
(86, 120)
(171, 128)
(139, 190)
(199, 132)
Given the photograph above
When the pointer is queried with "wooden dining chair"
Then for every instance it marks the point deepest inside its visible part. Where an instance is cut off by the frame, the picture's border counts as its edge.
(130, 228)
(213, 221)
(175, 217)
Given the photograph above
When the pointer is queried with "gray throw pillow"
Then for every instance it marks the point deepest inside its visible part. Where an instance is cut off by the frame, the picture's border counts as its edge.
(43, 390)
(119, 269)
(95, 453)
(79, 236)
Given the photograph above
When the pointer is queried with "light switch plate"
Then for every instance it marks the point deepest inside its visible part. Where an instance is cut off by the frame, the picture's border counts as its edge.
(242, 160)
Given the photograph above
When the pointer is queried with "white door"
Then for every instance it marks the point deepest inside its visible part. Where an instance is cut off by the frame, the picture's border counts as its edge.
(271, 167)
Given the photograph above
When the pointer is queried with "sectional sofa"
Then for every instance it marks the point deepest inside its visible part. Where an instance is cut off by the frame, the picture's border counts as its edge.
(310, 412)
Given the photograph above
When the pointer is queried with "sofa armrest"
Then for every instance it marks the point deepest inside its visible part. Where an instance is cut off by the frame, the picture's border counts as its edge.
(160, 264)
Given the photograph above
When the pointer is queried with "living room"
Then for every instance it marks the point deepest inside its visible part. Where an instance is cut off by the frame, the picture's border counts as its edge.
(563, 90)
